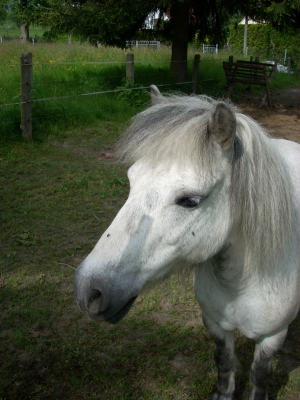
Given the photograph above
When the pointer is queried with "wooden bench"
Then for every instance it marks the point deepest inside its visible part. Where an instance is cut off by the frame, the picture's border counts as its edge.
(249, 72)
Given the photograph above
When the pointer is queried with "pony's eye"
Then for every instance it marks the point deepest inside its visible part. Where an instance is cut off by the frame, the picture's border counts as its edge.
(189, 202)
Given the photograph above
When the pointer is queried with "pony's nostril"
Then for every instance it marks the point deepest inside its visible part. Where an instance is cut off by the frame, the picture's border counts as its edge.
(94, 302)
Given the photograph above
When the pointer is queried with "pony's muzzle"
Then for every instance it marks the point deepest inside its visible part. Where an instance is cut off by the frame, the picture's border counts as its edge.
(92, 302)
(91, 296)
(96, 301)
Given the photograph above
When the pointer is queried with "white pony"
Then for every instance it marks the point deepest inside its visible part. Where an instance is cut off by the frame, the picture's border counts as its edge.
(209, 189)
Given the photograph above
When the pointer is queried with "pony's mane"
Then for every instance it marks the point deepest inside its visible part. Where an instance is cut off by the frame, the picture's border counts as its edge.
(176, 128)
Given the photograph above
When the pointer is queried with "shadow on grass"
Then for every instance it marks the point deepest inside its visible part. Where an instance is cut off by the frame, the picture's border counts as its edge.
(285, 363)
(50, 350)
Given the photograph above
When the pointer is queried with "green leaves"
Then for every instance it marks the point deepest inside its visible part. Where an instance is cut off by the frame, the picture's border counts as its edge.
(262, 38)
(25, 239)
(107, 22)
(284, 14)
(281, 14)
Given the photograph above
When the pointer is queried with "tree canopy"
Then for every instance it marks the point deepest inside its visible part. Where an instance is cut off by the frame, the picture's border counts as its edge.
(3, 13)
(284, 14)
(281, 14)
(107, 21)
(112, 22)
(25, 12)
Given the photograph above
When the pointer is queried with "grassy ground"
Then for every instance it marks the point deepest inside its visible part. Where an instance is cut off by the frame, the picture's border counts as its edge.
(8, 31)
(69, 84)
(57, 197)
(73, 88)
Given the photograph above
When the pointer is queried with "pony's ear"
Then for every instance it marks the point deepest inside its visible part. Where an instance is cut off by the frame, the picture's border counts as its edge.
(156, 96)
(222, 125)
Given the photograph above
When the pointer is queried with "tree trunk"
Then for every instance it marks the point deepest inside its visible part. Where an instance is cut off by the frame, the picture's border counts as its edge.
(180, 23)
(24, 32)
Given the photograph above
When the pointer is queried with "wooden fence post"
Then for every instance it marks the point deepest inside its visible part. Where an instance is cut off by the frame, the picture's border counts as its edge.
(195, 73)
(26, 87)
(130, 68)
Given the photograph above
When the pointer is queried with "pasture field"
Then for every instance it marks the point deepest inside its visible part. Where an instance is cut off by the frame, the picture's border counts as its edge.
(76, 84)
(57, 196)
(79, 84)
(9, 32)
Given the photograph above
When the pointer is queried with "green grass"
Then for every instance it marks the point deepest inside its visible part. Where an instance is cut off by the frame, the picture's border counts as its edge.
(63, 87)
(57, 197)
(69, 82)
(8, 31)
(67, 87)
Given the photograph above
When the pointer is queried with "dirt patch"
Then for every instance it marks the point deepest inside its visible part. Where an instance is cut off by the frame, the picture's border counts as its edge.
(282, 118)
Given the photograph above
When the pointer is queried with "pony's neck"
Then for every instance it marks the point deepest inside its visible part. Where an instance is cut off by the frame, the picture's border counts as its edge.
(235, 266)
(229, 263)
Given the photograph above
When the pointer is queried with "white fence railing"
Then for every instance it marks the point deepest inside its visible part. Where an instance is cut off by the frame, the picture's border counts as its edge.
(148, 43)
(210, 49)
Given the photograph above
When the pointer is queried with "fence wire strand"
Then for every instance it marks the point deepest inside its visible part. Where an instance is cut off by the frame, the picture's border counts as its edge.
(93, 93)
(61, 85)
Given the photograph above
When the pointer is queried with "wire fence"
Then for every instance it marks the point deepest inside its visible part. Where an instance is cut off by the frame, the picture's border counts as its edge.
(62, 91)
(42, 81)
(265, 54)
(66, 90)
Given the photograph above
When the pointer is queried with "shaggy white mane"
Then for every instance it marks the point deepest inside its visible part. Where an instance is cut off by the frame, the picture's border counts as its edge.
(176, 129)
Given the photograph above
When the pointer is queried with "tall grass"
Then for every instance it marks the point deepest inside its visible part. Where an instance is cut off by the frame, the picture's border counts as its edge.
(70, 82)
(63, 84)
(62, 74)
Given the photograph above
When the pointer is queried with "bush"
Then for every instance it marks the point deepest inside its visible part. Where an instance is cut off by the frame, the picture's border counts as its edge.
(267, 42)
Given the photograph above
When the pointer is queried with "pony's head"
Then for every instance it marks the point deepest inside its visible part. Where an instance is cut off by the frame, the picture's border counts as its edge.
(180, 152)
(184, 160)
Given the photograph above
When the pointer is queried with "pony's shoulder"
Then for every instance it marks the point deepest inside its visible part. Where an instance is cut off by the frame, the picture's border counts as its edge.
(289, 150)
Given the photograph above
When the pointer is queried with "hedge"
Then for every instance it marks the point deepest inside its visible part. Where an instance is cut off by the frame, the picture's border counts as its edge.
(265, 41)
